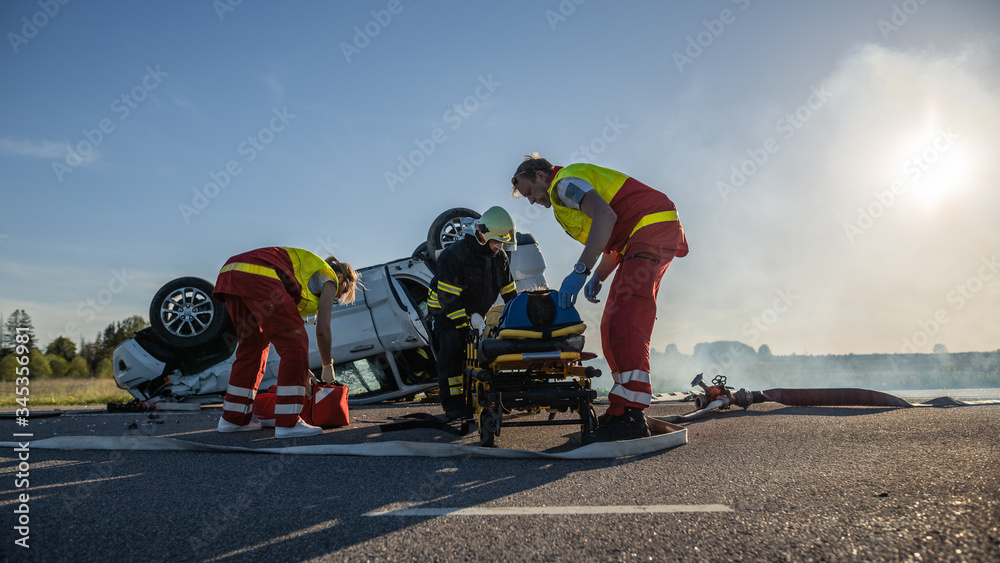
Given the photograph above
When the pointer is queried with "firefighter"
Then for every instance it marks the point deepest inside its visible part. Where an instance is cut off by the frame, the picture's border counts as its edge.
(471, 274)
(634, 229)
(267, 293)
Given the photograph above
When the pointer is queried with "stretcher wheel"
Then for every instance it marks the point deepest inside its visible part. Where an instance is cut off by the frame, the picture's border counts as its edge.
(487, 430)
(588, 420)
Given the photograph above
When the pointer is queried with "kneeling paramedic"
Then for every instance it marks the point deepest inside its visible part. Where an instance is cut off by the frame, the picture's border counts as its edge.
(267, 293)
(634, 229)
(471, 274)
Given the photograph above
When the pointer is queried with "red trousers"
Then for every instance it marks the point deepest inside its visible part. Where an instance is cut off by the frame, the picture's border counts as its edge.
(259, 323)
(627, 324)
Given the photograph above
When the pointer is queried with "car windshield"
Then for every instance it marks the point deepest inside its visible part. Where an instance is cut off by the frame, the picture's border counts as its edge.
(365, 377)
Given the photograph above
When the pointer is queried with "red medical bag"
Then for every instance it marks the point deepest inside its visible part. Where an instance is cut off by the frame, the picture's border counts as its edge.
(327, 408)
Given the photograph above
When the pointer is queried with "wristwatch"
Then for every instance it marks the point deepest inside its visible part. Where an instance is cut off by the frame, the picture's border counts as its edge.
(581, 268)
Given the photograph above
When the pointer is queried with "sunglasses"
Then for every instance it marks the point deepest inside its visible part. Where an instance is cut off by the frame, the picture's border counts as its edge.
(513, 181)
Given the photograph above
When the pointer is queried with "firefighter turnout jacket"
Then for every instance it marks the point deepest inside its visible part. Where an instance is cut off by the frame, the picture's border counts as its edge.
(469, 278)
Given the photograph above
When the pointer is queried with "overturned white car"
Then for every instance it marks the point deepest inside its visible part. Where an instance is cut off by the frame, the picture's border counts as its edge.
(381, 342)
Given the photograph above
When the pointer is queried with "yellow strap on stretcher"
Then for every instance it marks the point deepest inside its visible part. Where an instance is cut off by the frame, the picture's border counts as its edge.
(519, 334)
(537, 357)
(250, 269)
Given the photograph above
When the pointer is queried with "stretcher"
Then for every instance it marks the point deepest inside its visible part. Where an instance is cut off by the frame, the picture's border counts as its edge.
(531, 361)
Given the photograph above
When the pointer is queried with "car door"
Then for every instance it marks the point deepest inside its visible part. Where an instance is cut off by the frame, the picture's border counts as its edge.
(372, 337)
(396, 318)
(353, 332)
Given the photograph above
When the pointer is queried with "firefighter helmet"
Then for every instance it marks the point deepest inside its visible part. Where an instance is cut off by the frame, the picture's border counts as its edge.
(496, 224)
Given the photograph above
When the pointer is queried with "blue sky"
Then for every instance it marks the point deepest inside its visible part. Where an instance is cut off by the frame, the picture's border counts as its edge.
(834, 164)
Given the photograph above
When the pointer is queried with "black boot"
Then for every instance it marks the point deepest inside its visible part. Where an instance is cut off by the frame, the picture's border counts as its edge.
(628, 426)
(453, 413)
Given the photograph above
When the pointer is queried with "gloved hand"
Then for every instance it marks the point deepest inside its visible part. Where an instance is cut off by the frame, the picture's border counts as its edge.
(478, 324)
(592, 288)
(570, 288)
(327, 374)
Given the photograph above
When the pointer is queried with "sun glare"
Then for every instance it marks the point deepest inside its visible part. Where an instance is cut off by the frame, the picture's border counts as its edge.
(936, 164)
(938, 176)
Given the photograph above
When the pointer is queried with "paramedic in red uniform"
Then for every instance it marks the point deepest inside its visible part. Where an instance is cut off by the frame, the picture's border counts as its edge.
(632, 228)
(268, 292)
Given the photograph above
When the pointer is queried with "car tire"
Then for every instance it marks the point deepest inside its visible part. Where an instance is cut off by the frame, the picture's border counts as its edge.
(421, 253)
(447, 228)
(184, 314)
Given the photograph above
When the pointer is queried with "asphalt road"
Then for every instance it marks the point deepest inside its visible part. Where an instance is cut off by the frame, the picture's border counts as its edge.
(801, 484)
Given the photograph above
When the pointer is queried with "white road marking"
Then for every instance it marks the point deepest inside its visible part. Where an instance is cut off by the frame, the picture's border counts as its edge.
(553, 510)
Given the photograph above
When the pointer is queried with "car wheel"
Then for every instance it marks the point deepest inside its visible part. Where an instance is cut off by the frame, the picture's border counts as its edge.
(448, 228)
(421, 253)
(184, 314)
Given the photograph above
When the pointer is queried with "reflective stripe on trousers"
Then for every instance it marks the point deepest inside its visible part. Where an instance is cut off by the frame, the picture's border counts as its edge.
(627, 324)
(633, 387)
(259, 323)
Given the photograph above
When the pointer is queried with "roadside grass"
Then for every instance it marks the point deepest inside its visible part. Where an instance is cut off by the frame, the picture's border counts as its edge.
(47, 392)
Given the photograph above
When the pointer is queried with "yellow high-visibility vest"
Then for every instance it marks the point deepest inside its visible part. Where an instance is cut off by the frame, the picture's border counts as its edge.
(606, 183)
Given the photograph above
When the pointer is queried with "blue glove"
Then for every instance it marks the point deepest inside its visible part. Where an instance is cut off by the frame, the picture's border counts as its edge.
(570, 287)
(592, 288)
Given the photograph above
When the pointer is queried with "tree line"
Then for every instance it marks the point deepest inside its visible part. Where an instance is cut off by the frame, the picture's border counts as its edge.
(761, 369)
(62, 357)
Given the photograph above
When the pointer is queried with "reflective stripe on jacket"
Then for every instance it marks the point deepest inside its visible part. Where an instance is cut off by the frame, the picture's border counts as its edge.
(469, 279)
(291, 267)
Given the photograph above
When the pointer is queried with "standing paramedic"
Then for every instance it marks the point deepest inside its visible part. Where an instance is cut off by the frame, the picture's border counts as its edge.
(268, 292)
(631, 227)
(471, 274)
